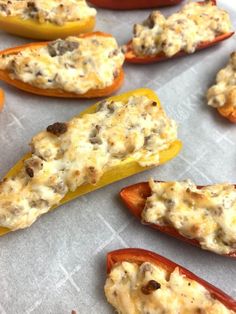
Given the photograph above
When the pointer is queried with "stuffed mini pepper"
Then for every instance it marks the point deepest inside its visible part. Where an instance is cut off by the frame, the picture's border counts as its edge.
(46, 19)
(222, 95)
(202, 216)
(140, 282)
(76, 67)
(107, 142)
(196, 26)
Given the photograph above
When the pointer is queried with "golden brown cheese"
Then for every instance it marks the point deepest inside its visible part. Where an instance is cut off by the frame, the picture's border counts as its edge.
(224, 91)
(54, 11)
(207, 214)
(73, 65)
(182, 31)
(148, 288)
(68, 155)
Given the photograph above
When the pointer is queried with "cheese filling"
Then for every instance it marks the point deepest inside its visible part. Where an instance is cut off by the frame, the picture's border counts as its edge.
(73, 65)
(149, 288)
(224, 91)
(207, 214)
(54, 11)
(182, 31)
(68, 155)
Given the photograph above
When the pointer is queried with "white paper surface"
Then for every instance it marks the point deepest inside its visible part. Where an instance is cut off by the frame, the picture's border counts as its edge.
(59, 263)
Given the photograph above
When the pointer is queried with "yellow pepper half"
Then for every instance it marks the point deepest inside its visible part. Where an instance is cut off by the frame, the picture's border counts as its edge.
(30, 28)
(126, 168)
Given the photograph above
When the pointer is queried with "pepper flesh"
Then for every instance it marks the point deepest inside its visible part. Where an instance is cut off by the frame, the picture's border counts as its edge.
(92, 93)
(46, 31)
(126, 168)
(228, 112)
(140, 256)
(132, 4)
(131, 57)
(2, 99)
(135, 196)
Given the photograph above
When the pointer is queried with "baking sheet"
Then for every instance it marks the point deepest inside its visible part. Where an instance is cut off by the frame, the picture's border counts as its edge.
(59, 263)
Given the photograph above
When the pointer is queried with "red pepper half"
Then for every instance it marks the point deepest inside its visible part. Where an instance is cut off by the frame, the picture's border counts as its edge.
(131, 57)
(134, 197)
(140, 256)
(132, 4)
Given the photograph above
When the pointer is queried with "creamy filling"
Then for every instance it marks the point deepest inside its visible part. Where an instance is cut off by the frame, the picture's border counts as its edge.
(207, 214)
(54, 11)
(68, 155)
(182, 31)
(72, 65)
(149, 288)
(223, 93)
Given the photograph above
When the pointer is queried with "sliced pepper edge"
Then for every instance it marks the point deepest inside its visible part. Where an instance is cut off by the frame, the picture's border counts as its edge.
(30, 28)
(127, 168)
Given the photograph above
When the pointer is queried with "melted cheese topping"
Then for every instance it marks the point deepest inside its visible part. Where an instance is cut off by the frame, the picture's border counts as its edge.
(207, 214)
(54, 11)
(69, 155)
(182, 31)
(224, 91)
(127, 290)
(73, 65)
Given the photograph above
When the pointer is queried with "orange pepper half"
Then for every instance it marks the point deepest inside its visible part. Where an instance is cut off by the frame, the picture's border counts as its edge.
(92, 93)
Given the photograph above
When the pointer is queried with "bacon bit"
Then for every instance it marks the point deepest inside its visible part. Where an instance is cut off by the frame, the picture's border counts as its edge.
(151, 286)
(29, 171)
(60, 47)
(35, 163)
(57, 128)
(2, 99)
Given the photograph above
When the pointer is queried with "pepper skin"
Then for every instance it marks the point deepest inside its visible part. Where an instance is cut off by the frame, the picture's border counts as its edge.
(47, 31)
(228, 112)
(134, 197)
(2, 99)
(126, 168)
(93, 93)
(133, 4)
(140, 256)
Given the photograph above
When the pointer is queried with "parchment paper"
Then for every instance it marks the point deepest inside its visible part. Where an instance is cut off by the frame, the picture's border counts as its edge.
(59, 263)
